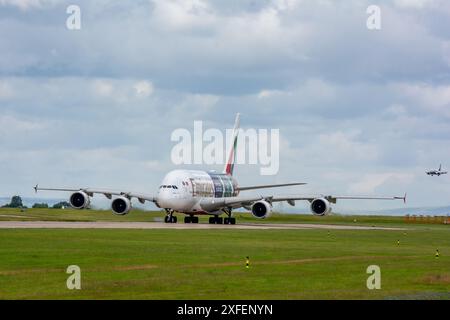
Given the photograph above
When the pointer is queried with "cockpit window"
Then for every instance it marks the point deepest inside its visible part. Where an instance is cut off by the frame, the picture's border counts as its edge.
(168, 187)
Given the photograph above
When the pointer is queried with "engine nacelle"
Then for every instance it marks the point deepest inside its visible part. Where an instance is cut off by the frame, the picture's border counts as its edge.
(261, 209)
(320, 207)
(79, 200)
(121, 206)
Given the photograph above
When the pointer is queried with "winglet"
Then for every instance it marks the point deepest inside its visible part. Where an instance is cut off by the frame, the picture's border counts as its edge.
(36, 188)
(402, 198)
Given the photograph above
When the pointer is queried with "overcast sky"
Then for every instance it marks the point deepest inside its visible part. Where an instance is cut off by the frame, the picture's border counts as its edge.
(360, 111)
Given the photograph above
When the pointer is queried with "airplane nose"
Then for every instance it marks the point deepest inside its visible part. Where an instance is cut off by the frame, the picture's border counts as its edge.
(164, 199)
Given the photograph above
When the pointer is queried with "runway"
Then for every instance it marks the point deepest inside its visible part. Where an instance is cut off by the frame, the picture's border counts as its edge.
(177, 226)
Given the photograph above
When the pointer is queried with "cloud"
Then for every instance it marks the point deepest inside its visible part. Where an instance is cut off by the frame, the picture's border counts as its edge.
(371, 183)
(23, 4)
(6, 90)
(283, 42)
(103, 88)
(263, 94)
(431, 98)
(345, 145)
(143, 89)
(416, 4)
(182, 15)
(11, 126)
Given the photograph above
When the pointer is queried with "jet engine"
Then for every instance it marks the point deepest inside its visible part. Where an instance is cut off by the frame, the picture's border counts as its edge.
(261, 209)
(121, 206)
(79, 200)
(320, 207)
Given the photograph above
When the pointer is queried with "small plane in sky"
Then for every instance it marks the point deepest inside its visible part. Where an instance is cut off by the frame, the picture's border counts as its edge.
(195, 192)
(436, 172)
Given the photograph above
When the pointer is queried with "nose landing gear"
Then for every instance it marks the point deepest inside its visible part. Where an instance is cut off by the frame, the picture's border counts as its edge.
(170, 218)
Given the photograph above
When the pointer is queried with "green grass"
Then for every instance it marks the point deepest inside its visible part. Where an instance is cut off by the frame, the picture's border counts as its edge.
(210, 264)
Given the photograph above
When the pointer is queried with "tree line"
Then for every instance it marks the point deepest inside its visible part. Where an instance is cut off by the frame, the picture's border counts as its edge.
(16, 202)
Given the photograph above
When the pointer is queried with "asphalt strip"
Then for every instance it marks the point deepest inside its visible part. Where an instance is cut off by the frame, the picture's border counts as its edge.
(160, 225)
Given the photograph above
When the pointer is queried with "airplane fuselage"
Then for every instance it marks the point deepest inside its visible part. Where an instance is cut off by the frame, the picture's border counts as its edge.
(436, 173)
(182, 190)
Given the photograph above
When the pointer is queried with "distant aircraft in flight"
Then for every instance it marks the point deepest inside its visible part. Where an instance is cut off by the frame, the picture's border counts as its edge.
(194, 192)
(436, 172)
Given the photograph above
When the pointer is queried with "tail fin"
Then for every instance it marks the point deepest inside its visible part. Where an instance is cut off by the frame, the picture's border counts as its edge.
(232, 155)
(440, 167)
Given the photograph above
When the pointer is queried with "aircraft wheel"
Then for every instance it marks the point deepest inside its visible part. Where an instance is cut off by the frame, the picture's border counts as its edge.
(195, 219)
(226, 221)
(166, 219)
(233, 220)
(219, 220)
(173, 220)
(212, 220)
(188, 220)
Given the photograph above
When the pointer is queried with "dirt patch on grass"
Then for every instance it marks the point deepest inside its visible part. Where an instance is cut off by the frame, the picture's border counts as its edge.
(135, 267)
(62, 270)
(436, 279)
(292, 261)
(28, 271)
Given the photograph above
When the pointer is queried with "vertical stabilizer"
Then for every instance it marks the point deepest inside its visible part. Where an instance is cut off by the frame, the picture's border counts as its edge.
(232, 154)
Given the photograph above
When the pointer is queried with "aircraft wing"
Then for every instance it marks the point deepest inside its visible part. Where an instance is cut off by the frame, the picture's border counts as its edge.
(106, 192)
(333, 199)
(267, 186)
(213, 204)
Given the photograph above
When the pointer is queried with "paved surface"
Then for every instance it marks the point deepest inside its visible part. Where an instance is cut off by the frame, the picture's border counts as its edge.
(159, 225)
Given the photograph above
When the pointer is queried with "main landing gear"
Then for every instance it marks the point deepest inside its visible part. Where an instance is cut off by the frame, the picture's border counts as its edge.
(219, 220)
(215, 220)
(190, 219)
(170, 218)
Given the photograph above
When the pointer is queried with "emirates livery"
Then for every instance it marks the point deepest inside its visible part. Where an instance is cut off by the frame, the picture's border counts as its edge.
(194, 193)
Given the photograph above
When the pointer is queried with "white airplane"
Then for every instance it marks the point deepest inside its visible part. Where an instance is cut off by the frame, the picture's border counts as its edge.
(436, 172)
(194, 193)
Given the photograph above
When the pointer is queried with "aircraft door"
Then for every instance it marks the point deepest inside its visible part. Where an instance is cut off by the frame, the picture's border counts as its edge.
(194, 187)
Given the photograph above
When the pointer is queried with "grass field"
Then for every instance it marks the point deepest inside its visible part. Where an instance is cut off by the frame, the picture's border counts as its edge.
(149, 216)
(210, 264)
